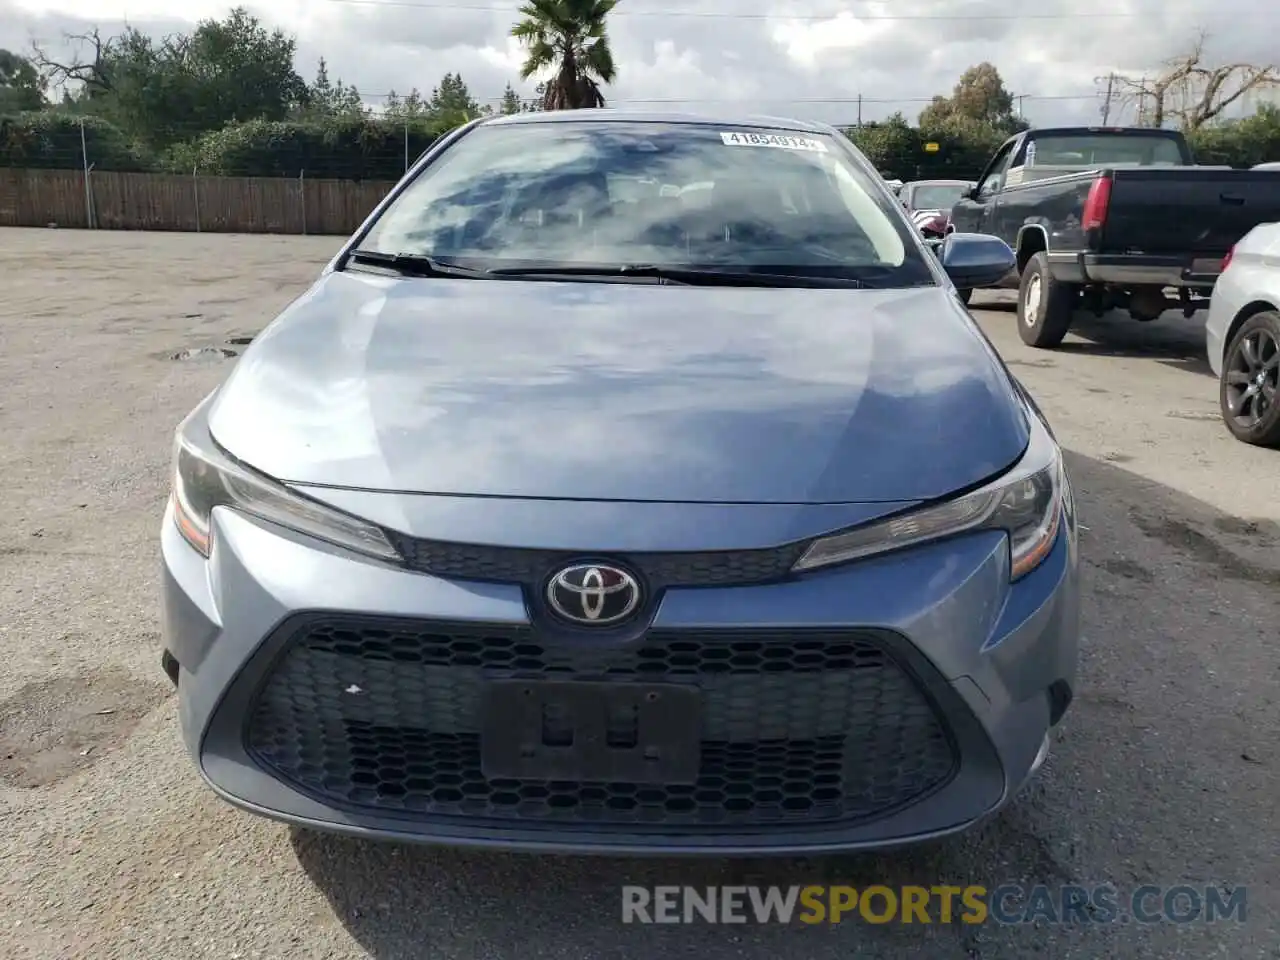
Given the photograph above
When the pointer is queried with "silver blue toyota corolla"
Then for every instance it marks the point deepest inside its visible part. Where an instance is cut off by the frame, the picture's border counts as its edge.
(628, 482)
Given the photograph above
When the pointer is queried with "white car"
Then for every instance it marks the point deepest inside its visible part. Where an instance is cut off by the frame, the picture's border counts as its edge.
(1242, 336)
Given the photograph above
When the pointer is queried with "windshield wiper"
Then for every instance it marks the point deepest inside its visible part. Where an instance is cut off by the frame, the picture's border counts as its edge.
(417, 264)
(579, 270)
(682, 275)
(422, 265)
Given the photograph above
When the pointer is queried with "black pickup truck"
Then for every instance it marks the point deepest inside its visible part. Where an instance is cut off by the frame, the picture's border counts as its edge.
(1105, 218)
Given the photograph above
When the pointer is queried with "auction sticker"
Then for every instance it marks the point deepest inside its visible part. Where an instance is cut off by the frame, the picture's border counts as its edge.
(778, 141)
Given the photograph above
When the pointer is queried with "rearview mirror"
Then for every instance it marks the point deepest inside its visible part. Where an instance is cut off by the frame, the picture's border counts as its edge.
(975, 259)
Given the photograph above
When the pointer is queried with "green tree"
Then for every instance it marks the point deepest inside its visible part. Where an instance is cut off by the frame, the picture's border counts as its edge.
(569, 37)
(326, 98)
(978, 99)
(410, 106)
(449, 105)
(241, 70)
(54, 140)
(169, 89)
(897, 149)
(893, 146)
(511, 102)
(21, 86)
(343, 148)
(1242, 143)
(452, 101)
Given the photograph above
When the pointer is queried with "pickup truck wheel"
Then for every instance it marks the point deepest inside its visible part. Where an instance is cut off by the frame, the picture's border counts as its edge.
(1045, 305)
(965, 296)
(1250, 383)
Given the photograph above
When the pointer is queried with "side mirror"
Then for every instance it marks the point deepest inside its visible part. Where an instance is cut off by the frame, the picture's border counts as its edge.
(976, 259)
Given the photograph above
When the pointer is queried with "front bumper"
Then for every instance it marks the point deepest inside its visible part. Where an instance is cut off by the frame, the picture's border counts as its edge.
(268, 632)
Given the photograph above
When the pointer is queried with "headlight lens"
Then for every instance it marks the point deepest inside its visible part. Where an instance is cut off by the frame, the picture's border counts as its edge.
(1026, 503)
(205, 478)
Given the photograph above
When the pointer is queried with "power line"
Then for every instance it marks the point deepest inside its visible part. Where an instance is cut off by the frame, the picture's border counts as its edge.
(809, 18)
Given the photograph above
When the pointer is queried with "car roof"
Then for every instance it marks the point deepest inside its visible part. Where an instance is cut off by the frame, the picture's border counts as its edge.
(624, 115)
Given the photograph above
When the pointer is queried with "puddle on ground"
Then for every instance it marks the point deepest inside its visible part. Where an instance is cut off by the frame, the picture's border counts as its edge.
(55, 728)
(204, 353)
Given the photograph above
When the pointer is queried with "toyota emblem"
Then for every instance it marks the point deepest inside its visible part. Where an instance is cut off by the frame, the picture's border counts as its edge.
(593, 594)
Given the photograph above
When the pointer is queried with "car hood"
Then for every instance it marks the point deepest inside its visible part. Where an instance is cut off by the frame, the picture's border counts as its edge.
(613, 391)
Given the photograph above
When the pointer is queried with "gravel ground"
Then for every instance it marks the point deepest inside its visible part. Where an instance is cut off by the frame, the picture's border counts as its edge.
(1165, 773)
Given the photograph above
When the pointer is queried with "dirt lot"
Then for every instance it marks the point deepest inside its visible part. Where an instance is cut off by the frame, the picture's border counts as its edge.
(1165, 773)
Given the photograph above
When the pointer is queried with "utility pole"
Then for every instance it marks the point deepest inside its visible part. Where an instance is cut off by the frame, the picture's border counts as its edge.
(1142, 101)
(859, 111)
(1021, 97)
(1108, 98)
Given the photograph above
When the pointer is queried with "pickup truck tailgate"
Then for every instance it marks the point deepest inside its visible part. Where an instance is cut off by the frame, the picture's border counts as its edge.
(1179, 210)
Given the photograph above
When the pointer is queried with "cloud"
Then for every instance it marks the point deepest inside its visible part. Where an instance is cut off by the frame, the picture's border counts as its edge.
(811, 58)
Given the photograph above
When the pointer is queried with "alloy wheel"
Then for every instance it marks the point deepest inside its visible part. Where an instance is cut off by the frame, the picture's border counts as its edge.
(1251, 378)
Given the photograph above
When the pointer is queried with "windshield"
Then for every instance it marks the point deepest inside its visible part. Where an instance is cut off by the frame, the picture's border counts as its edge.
(1103, 148)
(605, 193)
(937, 196)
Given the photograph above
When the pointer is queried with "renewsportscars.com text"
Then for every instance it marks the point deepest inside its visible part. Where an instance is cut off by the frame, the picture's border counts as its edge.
(973, 904)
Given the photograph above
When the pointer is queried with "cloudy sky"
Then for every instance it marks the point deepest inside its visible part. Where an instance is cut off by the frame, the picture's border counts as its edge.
(811, 58)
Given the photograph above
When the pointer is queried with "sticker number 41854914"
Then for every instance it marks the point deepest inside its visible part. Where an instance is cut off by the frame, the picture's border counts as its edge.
(776, 140)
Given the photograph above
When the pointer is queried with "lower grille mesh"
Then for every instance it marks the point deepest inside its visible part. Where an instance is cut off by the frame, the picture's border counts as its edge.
(383, 715)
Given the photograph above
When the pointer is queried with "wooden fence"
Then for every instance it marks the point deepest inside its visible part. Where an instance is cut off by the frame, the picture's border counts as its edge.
(159, 201)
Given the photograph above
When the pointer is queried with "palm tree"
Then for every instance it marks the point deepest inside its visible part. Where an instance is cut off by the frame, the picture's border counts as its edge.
(570, 36)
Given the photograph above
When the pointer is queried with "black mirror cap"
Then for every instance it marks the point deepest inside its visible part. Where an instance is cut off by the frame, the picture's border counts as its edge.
(975, 260)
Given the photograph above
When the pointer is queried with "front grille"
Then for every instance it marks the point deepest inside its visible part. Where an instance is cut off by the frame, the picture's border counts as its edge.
(465, 561)
(796, 729)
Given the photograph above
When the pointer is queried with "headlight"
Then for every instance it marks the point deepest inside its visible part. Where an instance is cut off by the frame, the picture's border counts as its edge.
(204, 478)
(1026, 503)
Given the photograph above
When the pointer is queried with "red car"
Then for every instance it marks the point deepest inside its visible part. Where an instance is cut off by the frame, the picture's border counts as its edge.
(929, 203)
